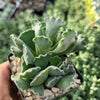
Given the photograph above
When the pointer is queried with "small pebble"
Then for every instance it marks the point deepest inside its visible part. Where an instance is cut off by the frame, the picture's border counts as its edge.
(25, 93)
(60, 92)
(28, 93)
(28, 98)
(37, 97)
(57, 94)
(48, 93)
(78, 81)
(34, 96)
(55, 90)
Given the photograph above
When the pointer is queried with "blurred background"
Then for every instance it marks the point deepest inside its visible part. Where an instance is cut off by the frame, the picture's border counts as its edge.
(81, 15)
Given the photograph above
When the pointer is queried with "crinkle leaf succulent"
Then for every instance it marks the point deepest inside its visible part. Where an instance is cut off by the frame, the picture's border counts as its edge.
(52, 81)
(43, 56)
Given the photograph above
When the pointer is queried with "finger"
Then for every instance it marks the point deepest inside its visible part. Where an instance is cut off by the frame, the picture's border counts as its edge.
(8, 87)
(5, 80)
(5, 64)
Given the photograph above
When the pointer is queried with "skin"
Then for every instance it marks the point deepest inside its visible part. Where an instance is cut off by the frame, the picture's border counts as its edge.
(8, 90)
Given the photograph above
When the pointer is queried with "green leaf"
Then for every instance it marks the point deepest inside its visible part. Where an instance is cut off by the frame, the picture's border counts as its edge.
(67, 66)
(27, 37)
(35, 21)
(80, 43)
(52, 26)
(28, 56)
(69, 69)
(40, 78)
(56, 60)
(16, 51)
(38, 90)
(24, 67)
(30, 73)
(19, 43)
(42, 60)
(39, 28)
(42, 43)
(55, 71)
(67, 43)
(66, 82)
(70, 48)
(22, 84)
(52, 81)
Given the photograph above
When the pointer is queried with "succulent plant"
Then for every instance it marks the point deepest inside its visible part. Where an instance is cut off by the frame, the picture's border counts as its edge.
(42, 57)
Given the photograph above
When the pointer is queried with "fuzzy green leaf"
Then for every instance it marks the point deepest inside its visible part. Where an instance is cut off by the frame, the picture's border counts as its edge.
(56, 60)
(55, 71)
(69, 69)
(80, 43)
(52, 81)
(19, 43)
(38, 90)
(22, 84)
(67, 43)
(24, 67)
(16, 51)
(30, 73)
(67, 66)
(52, 26)
(42, 60)
(28, 56)
(35, 21)
(27, 37)
(42, 43)
(40, 78)
(66, 82)
(38, 27)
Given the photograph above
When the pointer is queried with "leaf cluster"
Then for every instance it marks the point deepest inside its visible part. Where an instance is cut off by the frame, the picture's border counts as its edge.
(41, 51)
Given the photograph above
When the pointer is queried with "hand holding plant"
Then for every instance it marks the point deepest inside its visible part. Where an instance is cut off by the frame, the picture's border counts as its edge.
(8, 91)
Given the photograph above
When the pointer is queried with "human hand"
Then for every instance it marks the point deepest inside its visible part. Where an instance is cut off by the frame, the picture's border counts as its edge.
(8, 90)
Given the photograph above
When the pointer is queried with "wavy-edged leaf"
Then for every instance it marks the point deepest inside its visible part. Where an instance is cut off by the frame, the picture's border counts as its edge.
(52, 26)
(38, 27)
(42, 60)
(27, 37)
(18, 42)
(55, 71)
(30, 73)
(69, 69)
(40, 78)
(80, 45)
(67, 66)
(42, 43)
(56, 60)
(28, 56)
(67, 43)
(52, 81)
(38, 90)
(66, 81)
(24, 67)
(22, 84)
(35, 21)
(16, 51)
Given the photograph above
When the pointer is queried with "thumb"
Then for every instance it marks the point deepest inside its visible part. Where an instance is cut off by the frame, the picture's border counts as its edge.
(5, 81)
